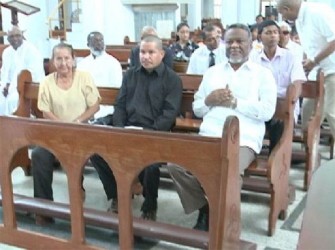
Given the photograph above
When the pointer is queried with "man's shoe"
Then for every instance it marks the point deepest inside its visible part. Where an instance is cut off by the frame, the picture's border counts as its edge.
(42, 220)
(113, 207)
(149, 215)
(203, 219)
(149, 209)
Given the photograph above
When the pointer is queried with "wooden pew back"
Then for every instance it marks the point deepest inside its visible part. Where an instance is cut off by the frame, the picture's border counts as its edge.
(317, 231)
(271, 175)
(310, 136)
(121, 54)
(131, 150)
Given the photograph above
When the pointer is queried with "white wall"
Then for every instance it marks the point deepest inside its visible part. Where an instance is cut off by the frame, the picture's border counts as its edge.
(194, 14)
(112, 18)
(329, 2)
(240, 11)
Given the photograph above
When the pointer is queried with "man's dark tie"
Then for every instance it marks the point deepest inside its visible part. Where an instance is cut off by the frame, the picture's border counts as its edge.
(211, 59)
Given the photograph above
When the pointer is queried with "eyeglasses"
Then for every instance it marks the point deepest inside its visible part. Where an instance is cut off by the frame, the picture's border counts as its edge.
(285, 32)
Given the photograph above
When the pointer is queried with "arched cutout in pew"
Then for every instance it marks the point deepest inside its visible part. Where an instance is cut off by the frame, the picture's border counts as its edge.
(124, 148)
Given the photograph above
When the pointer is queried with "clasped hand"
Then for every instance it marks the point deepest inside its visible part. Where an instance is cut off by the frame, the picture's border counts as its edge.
(308, 65)
(5, 90)
(220, 97)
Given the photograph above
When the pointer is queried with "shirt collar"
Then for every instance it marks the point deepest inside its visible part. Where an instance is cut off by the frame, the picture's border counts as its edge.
(279, 53)
(247, 65)
(158, 70)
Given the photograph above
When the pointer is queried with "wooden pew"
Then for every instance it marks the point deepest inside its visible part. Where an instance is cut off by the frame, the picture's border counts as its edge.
(121, 54)
(124, 46)
(28, 93)
(271, 175)
(317, 231)
(180, 67)
(122, 149)
(310, 136)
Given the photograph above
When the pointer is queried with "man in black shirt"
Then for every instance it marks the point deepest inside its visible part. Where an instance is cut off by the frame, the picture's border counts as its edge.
(150, 97)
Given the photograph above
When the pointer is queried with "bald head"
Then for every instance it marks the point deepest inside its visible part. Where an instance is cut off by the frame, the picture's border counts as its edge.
(15, 37)
(148, 31)
(288, 3)
(289, 9)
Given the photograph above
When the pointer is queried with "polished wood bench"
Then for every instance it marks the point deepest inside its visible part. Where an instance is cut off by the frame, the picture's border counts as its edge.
(122, 149)
(310, 135)
(271, 174)
(121, 54)
(318, 230)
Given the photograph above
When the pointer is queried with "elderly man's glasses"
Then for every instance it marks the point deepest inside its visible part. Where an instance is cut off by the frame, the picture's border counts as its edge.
(285, 32)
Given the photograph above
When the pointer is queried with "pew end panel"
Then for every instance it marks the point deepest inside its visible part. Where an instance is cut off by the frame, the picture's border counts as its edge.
(271, 175)
(122, 149)
(317, 231)
(309, 136)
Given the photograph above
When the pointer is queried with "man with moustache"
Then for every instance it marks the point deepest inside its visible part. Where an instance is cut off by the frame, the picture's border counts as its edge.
(20, 55)
(210, 54)
(149, 98)
(106, 71)
(240, 88)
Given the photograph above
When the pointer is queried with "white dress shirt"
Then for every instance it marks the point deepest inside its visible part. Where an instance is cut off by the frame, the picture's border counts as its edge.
(296, 50)
(199, 60)
(316, 27)
(255, 89)
(106, 72)
(14, 61)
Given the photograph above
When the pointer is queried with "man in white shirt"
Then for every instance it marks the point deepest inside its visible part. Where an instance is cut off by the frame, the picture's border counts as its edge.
(105, 70)
(18, 56)
(316, 29)
(208, 55)
(240, 88)
(286, 42)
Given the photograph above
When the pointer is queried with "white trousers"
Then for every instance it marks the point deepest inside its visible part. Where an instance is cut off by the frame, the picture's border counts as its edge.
(328, 105)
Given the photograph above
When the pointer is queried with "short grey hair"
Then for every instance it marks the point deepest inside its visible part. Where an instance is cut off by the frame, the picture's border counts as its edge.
(285, 24)
(148, 30)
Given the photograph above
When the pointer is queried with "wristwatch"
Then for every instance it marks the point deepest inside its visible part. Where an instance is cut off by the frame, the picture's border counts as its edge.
(233, 103)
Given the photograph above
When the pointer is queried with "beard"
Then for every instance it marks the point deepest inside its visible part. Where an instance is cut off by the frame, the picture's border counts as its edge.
(236, 60)
(96, 52)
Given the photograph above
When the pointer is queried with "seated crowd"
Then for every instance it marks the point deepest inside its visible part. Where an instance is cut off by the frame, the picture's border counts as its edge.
(244, 71)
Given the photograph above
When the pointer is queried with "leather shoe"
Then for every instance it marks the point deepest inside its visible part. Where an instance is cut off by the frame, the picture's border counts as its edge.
(113, 207)
(42, 220)
(149, 215)
(203, 219)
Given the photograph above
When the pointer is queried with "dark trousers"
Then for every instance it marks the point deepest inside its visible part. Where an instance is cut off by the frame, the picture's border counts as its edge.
(149, 178)
(275, 130)
(43, 163)
(106, 120)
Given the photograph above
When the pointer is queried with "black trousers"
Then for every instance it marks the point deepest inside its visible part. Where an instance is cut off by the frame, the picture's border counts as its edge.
(106, 120)
(149, 178)
(43, 163)
(275, 130)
